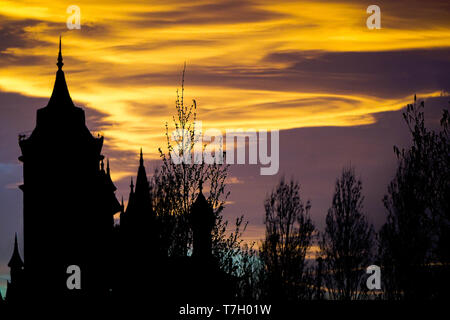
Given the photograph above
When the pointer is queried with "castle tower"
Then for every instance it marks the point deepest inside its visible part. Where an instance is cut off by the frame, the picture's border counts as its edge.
(202, 222)
(68, 201)
(138, 245)
(138, 218)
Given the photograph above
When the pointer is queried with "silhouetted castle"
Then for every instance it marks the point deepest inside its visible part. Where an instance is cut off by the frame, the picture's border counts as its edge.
(69, 203)
(68, 198)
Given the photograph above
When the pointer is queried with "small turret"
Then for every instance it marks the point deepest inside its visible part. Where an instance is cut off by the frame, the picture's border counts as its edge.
(15, 289)
(202, 221)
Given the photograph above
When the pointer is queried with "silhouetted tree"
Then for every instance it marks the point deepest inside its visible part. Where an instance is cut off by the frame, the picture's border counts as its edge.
(289, 235)
(249, 270)
(163, 191)
(176, 187)
(346, 245)
(318, 279)
(414, 242)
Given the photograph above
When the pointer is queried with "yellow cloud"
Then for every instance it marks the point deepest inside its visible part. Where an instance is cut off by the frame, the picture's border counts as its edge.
(130, 39)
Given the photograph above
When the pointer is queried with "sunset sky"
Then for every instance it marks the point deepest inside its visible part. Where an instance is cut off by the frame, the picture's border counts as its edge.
(309, 68)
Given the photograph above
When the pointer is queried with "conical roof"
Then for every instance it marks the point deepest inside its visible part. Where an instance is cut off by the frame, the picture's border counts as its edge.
(16, 260)
(60, 95)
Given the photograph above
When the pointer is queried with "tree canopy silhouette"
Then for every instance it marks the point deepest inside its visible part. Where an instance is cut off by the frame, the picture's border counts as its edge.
(289, 235)
(176, 185)
(414, 242)
(346, 245)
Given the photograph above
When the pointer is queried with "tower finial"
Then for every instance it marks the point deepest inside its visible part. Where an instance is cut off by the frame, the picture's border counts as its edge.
(102, 165)
(16, 247)
(132, 185)
(141, 160)
(60, 59)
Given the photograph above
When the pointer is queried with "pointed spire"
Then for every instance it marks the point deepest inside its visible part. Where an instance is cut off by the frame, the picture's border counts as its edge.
(60, 95)
(142, 184)
(132, 185)
(122, 207)
(16, 246)
(102, 165)
(16, 260)
(60, 59)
